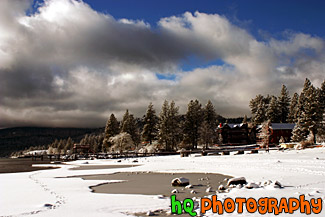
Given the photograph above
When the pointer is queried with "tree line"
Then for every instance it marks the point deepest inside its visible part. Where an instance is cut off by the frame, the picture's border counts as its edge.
(171, 129)
(306, 110)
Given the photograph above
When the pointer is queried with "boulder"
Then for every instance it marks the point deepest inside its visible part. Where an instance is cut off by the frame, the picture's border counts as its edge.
(252, 185)
(209, 189)
(149, 213)
(239, 152)
(237, 181)
(225, 153)
(180, 182)
(221, 188)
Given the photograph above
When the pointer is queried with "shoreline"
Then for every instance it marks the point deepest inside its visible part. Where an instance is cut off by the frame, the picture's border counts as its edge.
(19, 165)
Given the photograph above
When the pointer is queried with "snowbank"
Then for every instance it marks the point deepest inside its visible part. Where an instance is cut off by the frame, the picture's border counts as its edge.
(40, 193)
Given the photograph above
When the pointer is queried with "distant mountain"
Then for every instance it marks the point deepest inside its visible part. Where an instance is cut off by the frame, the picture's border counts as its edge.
(20, 138)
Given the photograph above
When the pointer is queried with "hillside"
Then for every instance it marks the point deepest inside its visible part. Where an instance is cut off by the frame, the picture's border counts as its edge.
(19, 138)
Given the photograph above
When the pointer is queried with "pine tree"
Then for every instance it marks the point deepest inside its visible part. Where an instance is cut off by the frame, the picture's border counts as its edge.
(292, 117)
(174, 125)
(149, 132)
(163, 126)
(272, 113)
(130, 126)
(284, 102)
(209, 125)
(245, 119)
(259, 106)
(124, 120)
(193, 122)
(308, 113)
(169, 131)
(111, 129)
(321, 122)
(69, 144)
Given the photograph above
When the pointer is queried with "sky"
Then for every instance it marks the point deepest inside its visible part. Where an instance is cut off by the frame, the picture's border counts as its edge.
(68, 63)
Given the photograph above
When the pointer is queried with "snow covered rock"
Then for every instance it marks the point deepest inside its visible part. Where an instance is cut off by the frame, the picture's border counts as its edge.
(237, 181)
(209, 189)
(193, 192)
(277, 184)
(189, 186)
(221, 188)
(48, 205)
(175, 191)
(252, 185)
(149, 213)
(180, 182)
(239, 186)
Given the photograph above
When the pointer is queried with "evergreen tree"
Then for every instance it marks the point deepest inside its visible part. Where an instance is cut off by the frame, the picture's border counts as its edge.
(292, 117)
(209, 125)
(129, 126)
(193, 122)
(174, 125)
(169, 131)
(124, 120)
(245, 119)
(69, 144)
(321, 100)
(284, 102)
(272, 113)
(163, 126)
(149, 132)
(308, 113)
(111, 129)
(259, 106)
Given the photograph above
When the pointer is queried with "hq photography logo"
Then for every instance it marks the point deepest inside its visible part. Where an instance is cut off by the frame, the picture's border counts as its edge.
(262, 205)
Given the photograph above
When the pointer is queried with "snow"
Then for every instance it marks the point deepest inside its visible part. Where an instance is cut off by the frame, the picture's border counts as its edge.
(42, 193)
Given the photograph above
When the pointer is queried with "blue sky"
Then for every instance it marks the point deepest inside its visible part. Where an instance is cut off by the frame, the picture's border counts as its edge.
(271, 17)
(262, 19)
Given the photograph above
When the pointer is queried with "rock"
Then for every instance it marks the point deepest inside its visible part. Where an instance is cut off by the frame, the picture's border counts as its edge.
(267, 182)
(48, 205)
(175, 191)
(221, 188)
(252, 185)
(209, 189)
(180, 182)
(237, 181)
(149, 213)
(193, 192)
(239, 152)
(277, 183)
(189, 186)
(225, 153)
(135, 161)
(119, 161)
(239, 186)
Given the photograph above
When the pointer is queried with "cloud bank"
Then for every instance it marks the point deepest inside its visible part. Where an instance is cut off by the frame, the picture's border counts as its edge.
(69, 65)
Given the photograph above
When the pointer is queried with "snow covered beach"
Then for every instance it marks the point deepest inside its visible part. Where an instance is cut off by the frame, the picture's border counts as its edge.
(41, 193)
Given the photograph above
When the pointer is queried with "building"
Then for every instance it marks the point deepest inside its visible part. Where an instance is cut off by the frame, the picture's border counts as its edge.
(81, 149)
(234, 134)
(276, 131)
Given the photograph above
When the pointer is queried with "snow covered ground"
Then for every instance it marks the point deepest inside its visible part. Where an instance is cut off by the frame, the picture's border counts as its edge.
(40, 193)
